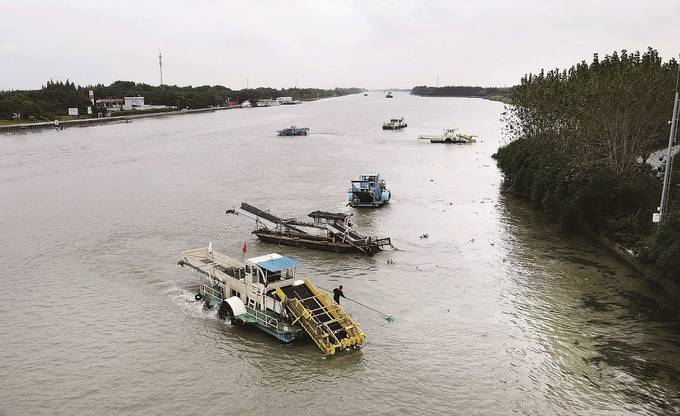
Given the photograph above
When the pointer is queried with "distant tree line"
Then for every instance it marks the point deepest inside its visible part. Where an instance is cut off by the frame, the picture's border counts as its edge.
(579, 147)
(54, 98)
(459, 91)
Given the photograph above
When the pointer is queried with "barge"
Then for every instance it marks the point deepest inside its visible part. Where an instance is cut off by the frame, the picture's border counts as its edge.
(263, 292)
(328, 232)
(449, 136)
(368, 192)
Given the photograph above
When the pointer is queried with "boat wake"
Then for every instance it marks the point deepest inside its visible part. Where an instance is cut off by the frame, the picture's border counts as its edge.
(185, 299)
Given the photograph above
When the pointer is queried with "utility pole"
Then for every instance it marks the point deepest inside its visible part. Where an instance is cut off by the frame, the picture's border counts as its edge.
(663, 205)
(437, 80)
(660, 217)
(160, 65)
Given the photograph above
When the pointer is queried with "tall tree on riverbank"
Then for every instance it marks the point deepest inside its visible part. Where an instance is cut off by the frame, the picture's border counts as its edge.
(606, 113)
(576, 137)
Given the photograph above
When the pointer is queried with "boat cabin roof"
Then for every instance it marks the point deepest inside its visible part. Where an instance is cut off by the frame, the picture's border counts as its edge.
(329, 215)
(274, 262)
(368, 176)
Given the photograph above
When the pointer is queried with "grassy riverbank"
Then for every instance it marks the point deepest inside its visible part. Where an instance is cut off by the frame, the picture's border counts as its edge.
(579, 142)
(41, 120)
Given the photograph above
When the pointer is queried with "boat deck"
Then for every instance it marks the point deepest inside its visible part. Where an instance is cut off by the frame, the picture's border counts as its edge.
(207, 263)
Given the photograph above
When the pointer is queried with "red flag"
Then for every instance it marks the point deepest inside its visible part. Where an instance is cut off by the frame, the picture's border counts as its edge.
(245, 247)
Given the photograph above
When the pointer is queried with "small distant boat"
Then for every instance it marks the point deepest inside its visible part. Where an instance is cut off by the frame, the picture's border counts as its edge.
(389, 95)
(287, 101)
(246, 104)
(395, 124)
(267, 102)
(365, 94)
(369, 191)
(449, 136)
(294, 131)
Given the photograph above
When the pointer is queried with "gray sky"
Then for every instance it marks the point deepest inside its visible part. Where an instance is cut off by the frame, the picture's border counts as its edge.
(373, 44)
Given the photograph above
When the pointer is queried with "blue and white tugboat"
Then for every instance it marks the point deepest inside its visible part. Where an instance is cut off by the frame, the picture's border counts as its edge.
(368, 192)
(264, 292)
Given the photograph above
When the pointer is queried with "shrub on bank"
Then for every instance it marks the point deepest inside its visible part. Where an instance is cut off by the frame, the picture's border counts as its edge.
(662, 251)
(620, 207)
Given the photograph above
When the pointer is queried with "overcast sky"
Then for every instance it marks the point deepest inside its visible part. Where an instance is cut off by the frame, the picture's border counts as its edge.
(372, 44)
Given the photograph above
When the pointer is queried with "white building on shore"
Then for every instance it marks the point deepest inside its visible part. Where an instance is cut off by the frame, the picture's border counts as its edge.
(133, 103)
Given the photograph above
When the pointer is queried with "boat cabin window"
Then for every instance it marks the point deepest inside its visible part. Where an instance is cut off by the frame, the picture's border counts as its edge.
(271, 277)
(359, 185)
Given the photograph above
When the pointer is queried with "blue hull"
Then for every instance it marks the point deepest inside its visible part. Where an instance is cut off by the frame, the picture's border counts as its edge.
(286, 338)
(357, 203)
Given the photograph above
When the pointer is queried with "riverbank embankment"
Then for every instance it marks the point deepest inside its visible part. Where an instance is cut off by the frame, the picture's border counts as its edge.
(631, 259)
(27, 127)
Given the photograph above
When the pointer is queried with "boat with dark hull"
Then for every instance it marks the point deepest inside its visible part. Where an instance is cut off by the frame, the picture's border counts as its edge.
(328, 232)
(294, 131)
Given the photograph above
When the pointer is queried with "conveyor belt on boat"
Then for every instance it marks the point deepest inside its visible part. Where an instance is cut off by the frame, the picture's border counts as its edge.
(329, 326)
(311, 303)
(267, 216)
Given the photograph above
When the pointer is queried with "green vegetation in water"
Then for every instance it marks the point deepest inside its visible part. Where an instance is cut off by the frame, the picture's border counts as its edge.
(493, 93)
(579, 143)
(54, 98)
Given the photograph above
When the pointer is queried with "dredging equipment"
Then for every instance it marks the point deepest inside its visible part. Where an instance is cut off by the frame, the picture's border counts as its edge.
(263, 292)
(329, 231)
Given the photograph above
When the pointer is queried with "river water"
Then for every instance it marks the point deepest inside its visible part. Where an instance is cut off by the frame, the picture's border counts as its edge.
(496, 312)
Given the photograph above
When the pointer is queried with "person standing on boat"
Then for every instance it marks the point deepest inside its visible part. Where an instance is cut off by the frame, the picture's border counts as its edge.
(337, 292)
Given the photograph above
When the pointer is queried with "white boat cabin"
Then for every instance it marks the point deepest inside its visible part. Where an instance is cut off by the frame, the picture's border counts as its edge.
(252, 281)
